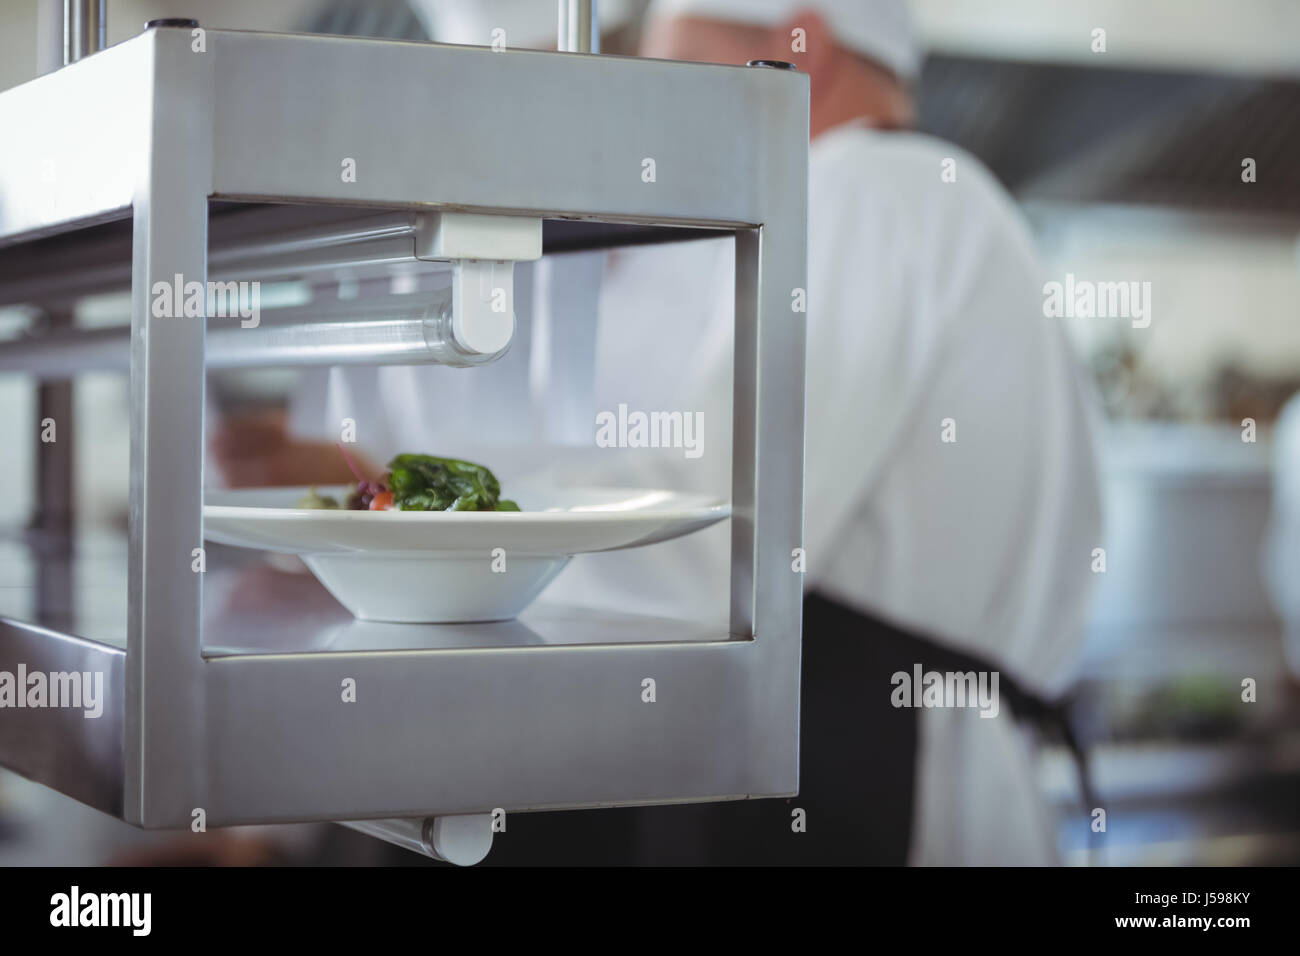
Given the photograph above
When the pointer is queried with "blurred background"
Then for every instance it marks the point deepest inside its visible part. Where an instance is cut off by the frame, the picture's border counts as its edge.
(1127, 165)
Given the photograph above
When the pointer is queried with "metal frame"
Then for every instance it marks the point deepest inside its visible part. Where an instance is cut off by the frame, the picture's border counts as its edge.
(264, 737)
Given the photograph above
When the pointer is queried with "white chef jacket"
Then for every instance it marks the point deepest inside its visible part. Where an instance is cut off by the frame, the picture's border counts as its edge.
(924, 319)
(925, 306)
(1282, 563)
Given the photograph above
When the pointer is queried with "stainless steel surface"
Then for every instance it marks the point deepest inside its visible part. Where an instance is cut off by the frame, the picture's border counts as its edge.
(56, 588)
(166, 718)
(49, 179)
(70, 582)
(266, 736)
(711, 158)
(579, 31)
(60, 746)
(85, 26)
(97, 185)
(253, 609)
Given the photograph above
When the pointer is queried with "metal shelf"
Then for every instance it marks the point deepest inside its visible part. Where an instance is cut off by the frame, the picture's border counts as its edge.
(237, 712)
(251, 609)
(253, 604)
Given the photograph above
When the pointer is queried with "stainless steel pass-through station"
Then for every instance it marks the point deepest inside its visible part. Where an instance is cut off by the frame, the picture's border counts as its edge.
(222, 161)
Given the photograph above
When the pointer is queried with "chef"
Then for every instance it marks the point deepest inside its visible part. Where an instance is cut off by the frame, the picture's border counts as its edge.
(951, 488)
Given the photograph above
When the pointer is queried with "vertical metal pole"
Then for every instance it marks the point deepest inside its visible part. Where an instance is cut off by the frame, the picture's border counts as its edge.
(579, 32)
(83, 33)
(163, 737)
(85, 28)
(55, 460)
(768, 408)
(55, 473)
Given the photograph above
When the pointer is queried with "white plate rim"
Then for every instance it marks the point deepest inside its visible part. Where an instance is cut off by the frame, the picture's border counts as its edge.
(709, 506)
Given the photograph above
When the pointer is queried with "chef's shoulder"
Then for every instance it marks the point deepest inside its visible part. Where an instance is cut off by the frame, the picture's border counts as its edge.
(925, 177)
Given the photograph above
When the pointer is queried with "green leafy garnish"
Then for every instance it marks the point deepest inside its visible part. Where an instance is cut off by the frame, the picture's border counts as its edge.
(426, 483)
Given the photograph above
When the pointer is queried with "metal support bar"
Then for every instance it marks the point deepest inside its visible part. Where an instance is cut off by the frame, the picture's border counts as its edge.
(165, 690)
(463, 839)
(84, 25)
(85, 28)
(578, 29)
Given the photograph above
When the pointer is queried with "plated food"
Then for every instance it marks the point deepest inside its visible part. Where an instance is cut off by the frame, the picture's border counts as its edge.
(471, 559)
(420, 483)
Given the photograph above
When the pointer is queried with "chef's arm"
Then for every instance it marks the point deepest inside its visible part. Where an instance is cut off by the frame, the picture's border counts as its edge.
(255, 449)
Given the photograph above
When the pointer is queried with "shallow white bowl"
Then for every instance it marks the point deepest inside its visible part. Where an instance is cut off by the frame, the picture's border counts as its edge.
(443, 567)
(432, 588)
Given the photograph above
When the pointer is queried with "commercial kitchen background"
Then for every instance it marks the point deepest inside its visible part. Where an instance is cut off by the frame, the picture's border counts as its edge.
(1127, 164)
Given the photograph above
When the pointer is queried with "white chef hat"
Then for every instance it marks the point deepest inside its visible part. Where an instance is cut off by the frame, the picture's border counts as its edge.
(880, 30)
(528, 23)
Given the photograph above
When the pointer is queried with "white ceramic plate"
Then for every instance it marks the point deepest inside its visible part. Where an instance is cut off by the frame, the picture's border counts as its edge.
(438, 566)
